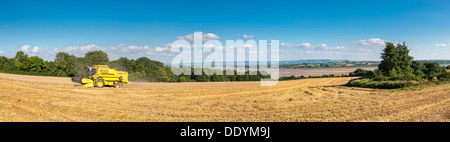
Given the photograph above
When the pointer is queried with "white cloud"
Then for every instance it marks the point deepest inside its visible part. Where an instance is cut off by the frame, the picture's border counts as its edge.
(84, 48)
(285, 45)
(364, 50)
(322, 46)
(340, 47)
(117, 46)
(2, 52)
(131, 48)
(168, 45)
(121, 45)
(165, 54)
(205, 37)
(441, 45)
(210, 36)
(247, 36)
(77, 50)
(305, 45)
(35, 49)
(150, 53)
(302, 45)
(26, 48)
(325, 47)
(247, 46)
(332, 53)
(371, 42)
(161, 49)
(309, 46)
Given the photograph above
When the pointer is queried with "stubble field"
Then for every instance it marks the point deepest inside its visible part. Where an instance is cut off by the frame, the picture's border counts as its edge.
(35, 98)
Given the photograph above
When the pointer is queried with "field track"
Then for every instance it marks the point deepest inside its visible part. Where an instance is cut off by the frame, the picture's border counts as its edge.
(36, 98)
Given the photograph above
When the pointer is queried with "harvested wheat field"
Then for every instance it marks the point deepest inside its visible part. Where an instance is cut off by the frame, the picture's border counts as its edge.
(33, 98)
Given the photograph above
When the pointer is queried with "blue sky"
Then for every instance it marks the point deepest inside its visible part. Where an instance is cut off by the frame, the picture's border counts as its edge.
(321, 29)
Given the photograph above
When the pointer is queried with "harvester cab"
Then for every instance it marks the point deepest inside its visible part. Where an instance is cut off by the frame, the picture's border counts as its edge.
(101, 75)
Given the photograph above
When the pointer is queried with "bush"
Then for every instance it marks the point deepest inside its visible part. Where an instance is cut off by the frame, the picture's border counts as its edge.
(448, 67)
(444, 77)
(434, 79)
(358, 82)
(363, 73)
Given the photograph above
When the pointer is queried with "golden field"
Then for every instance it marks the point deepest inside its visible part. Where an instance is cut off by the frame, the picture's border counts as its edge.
(35, 98)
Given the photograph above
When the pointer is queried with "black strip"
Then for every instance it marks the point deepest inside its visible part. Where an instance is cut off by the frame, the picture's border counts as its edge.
(278, 131)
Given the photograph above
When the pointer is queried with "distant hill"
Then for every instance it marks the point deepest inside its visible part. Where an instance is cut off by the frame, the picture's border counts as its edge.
(438, 61)
(313, 61)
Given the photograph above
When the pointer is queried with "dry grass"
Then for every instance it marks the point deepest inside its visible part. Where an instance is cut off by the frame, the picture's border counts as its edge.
(31, 98)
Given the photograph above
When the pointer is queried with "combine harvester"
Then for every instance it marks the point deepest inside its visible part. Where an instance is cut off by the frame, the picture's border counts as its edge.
(101, 75)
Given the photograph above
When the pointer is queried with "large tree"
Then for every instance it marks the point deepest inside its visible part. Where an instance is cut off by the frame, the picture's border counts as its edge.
(396, 62)
(404, 62)
(66, 64)
(37, 64)
(389, 59)
(96, 58)
(22, 61)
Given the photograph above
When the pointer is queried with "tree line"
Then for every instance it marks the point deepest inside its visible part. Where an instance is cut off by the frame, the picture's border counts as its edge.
(141, 69)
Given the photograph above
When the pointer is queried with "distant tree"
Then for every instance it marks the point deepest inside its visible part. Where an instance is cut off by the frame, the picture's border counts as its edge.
(80, 66)
(37, 64)
(183, 79)
(22, 61)
(123, 64)
(231, 77)
(11, 65)
(66, 64)
(3, 62)
(96, 58)
(240, 78)
(50, 68)
(418, 66)
(201, 78)
(215, 78)
(419, 69)
(433, 69)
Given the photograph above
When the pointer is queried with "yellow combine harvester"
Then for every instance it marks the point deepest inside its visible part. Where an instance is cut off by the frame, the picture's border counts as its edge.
(101, 75)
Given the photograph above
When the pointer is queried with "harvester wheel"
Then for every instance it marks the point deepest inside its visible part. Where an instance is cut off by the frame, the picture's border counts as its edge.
(100, 83)
(118, 85)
